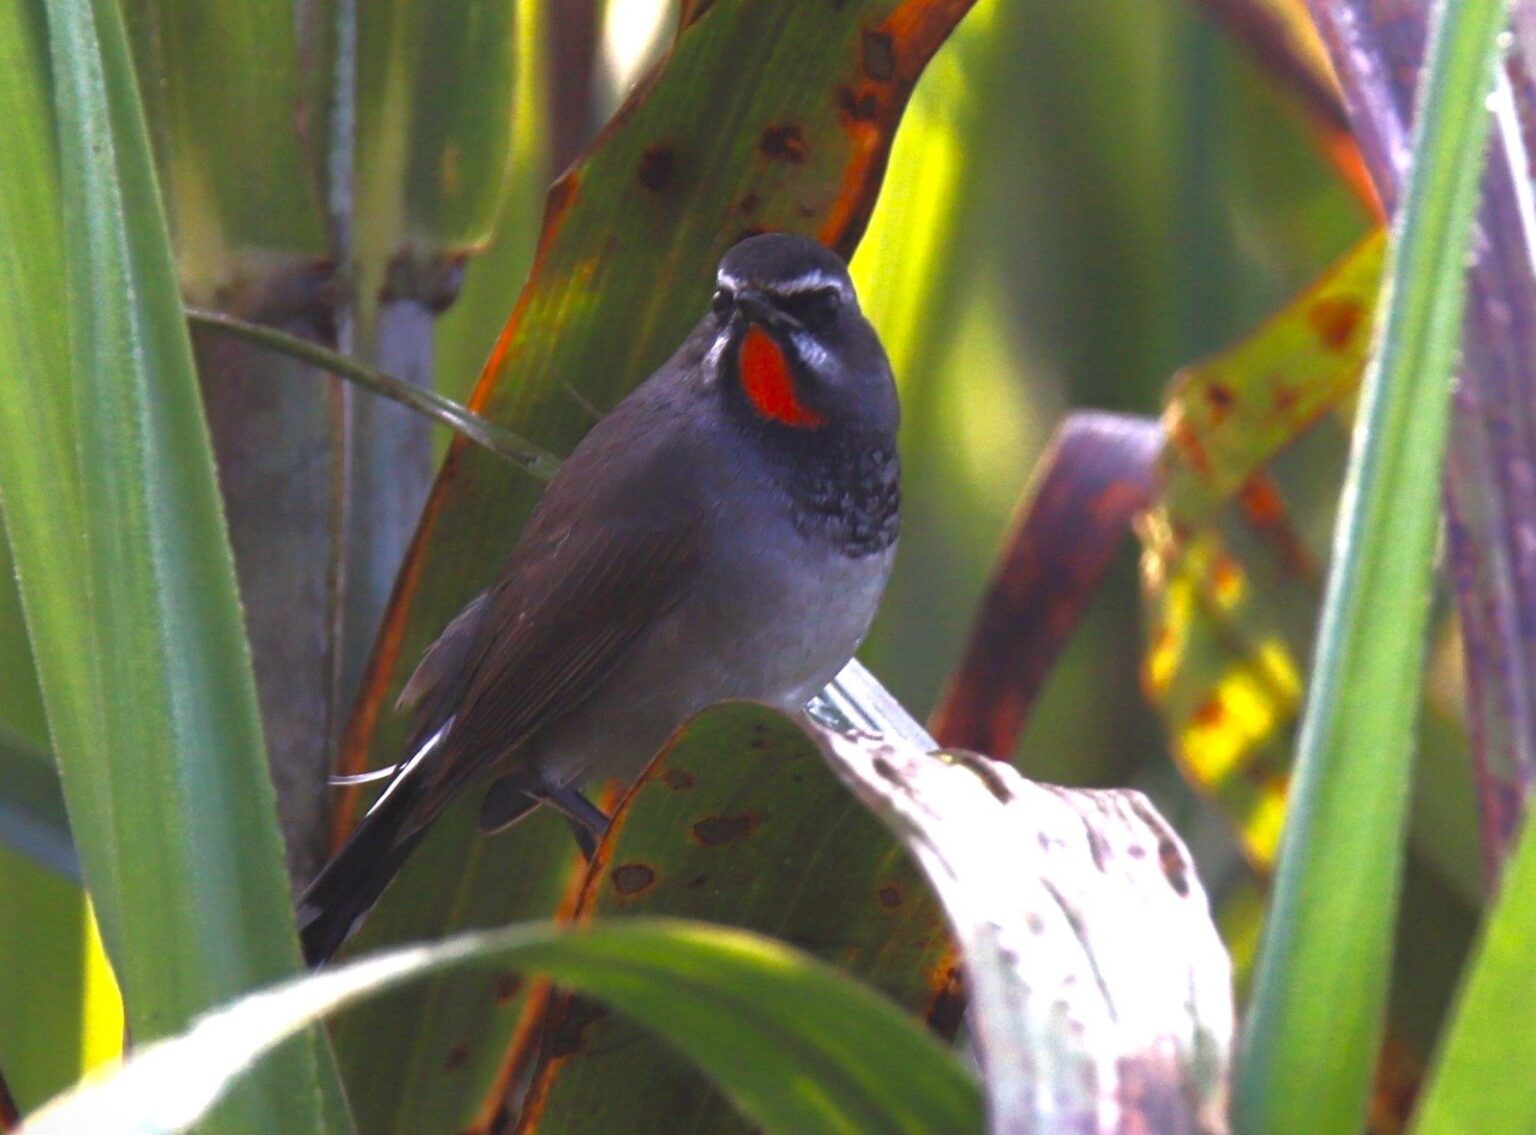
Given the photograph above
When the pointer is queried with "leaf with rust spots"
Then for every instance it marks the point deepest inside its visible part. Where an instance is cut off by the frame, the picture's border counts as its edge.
(715, 830)
(1229, 589)
(766, 839)
(1224, 670)
(625, 265)
(783, 143)
(1098, 982)
(633, 878)
(1229, 415)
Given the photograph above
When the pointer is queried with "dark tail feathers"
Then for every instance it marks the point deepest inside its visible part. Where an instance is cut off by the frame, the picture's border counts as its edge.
(349, 885)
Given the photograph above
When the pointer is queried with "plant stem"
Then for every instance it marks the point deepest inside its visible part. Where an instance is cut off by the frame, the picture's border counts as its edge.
(1315, 1024)
(426, 402)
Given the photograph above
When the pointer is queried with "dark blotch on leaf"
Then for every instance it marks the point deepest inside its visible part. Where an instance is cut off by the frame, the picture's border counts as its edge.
(1220, 398)
(879, 57)
(507, 987)
(985, 769)
(656, 166)
(784, 143)
(458, 1056)
(632, 878)
(861, 107)
(715, 830)
(890, 896)
(569, 1023)
(677, 779)
(694, 883)
(947, 1009)
(1098, 848)
(750, 203)
(698, 9)
(1173, 867)
(1335, 321)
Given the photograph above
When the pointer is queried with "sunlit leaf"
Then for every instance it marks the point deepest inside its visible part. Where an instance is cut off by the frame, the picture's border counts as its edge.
(1229, 415)
(801, 1049)
(1223, 648)
(1474, 1087)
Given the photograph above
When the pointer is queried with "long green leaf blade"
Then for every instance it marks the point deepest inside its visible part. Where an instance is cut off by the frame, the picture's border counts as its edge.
(58, 1012)
(1315, 1025)
(801, 1049)
(1471, 1089)
(32, 817)
(131, 602)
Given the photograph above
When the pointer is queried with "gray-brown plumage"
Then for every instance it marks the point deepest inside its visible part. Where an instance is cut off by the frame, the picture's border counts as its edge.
(724, 532)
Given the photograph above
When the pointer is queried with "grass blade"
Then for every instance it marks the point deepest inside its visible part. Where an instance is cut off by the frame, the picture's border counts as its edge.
(130, 595)
(800, 1048)
(1315, 1025)
(1471, 1088)
(32, 817)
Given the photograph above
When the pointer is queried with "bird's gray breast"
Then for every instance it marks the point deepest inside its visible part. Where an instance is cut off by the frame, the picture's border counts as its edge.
(776, 611)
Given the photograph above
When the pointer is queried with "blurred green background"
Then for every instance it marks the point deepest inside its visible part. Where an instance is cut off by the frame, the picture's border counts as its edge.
(1082, 198)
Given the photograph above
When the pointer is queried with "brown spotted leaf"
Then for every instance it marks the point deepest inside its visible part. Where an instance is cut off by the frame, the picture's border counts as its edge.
(1229, 591)
(1229, 415)
(738, 821)
(1100, 992)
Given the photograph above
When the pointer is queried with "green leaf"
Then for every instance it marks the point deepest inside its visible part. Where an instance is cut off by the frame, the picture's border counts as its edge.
(1311, 1038)
(125, 574)
(59, 1009)
(228, 192)
(1480, 1083)
(32, 816)
(434, 122)
(799, 1048)
(739, 821)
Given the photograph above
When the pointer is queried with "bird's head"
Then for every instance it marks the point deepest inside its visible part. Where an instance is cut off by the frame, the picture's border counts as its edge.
(790, 341)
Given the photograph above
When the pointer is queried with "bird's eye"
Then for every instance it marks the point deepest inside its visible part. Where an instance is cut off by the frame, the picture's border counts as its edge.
(816, 309)
(723, 302)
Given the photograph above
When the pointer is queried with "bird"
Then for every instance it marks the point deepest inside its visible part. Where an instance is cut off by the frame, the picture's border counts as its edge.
(724, 532)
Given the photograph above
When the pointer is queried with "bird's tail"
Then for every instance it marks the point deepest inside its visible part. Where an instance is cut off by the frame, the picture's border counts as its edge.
(348, 886)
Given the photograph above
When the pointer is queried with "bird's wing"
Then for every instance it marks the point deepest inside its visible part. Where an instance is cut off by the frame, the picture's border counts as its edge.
(427, 695)
(563, 614)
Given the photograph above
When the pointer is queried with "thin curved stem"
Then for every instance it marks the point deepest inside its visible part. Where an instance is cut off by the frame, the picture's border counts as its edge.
(467, 423)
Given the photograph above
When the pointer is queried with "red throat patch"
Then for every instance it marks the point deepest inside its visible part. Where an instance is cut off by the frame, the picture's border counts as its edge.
(770, 384)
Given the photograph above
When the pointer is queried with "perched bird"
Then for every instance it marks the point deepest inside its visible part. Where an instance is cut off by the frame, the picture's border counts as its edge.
(724, 532)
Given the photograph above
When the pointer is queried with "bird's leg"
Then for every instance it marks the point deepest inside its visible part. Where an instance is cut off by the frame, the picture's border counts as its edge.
(588, 822)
